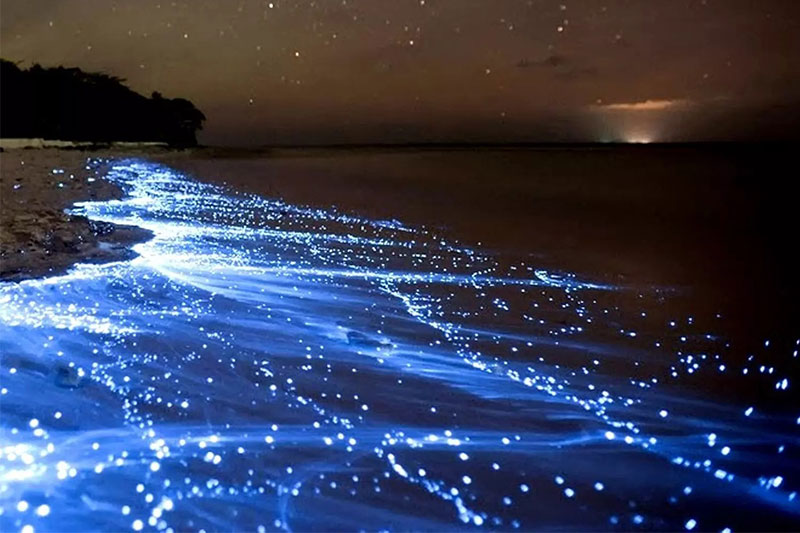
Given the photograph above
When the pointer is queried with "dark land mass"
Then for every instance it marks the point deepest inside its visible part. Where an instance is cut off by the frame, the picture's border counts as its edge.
(69, 104)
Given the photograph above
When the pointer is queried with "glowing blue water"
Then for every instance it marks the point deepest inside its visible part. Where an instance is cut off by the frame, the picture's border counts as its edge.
(262, 366)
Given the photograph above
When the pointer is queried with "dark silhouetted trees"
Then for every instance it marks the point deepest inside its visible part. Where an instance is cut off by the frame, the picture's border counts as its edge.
(72, 105)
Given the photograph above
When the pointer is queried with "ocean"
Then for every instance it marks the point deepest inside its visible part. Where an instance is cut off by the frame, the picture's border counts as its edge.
(415, 339)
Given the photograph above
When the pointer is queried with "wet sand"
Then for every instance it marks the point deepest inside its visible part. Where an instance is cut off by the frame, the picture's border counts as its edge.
(37, 238)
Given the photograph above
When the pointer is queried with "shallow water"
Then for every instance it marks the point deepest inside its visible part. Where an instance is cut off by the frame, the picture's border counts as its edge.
(262, 365)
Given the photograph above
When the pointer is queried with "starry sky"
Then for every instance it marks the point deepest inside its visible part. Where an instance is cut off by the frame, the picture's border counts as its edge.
(375, 71)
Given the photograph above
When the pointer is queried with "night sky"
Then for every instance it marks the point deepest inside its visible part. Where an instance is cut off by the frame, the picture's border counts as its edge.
(439, 70)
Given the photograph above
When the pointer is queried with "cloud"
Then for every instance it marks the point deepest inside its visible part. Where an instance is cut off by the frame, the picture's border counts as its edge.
(646, 105)
(554, 61)
(562, 67)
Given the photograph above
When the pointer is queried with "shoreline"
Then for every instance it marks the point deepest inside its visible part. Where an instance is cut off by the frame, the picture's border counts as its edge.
(37, 237)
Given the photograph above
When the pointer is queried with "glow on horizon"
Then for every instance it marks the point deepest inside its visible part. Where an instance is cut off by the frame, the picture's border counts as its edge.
(639, 139)
(646, 105)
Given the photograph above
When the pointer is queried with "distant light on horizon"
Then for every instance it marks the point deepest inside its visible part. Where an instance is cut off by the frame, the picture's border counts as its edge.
(646, 105)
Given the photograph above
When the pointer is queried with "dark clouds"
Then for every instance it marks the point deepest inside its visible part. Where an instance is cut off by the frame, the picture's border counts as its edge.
(561, 67)
(393, 70)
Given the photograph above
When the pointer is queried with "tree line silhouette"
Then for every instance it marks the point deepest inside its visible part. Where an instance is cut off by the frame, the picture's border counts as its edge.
(72, 105)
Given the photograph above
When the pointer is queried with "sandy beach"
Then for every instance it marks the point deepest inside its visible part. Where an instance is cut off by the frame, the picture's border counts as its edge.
(37, 238)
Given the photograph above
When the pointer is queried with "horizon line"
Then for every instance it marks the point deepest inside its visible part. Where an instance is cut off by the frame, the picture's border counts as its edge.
(510, 144)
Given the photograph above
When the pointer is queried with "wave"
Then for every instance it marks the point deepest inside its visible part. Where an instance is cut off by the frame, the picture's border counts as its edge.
(264, 366)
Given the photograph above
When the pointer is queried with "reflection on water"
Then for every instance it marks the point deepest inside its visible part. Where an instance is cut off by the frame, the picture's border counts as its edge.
(261, 366)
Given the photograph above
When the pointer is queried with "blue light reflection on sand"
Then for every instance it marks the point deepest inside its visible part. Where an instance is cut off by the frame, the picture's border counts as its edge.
(265, 366)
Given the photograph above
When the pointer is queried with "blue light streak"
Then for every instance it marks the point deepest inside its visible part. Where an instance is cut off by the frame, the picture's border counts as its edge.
(262, 366)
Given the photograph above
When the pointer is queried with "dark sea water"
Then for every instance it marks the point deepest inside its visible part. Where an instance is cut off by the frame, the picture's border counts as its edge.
(266, 366)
